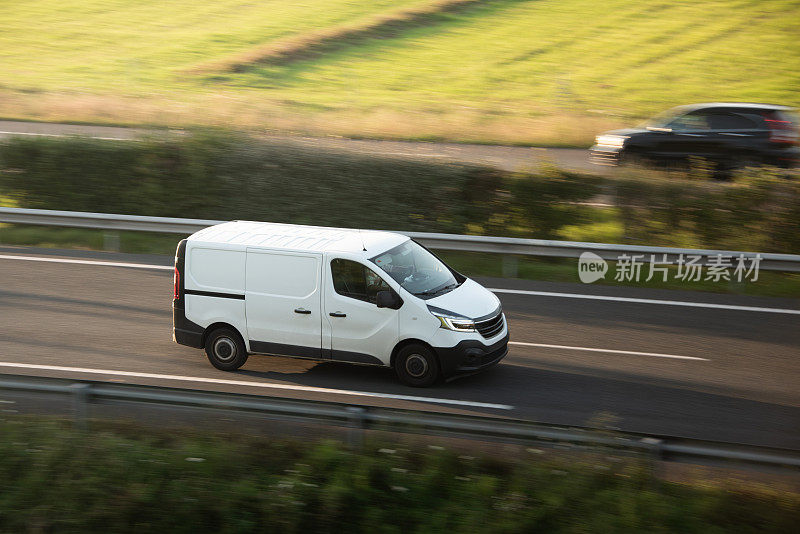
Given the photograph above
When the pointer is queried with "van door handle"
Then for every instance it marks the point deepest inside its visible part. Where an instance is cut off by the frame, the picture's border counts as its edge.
(302, 310)
(337, 314)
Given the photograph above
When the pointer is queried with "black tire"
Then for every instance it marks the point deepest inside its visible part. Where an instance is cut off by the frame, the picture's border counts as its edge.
(417, 366)
(225, 349)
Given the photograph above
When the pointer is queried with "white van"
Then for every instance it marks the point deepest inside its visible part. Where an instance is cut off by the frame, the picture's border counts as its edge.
(360, 296)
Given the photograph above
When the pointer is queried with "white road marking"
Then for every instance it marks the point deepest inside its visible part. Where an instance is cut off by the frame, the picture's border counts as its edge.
(646, 301)
(87, 262)
(613, 351)
(288, 387)
(494, 290)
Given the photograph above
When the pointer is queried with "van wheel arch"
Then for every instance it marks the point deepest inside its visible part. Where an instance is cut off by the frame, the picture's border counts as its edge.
(215, 326)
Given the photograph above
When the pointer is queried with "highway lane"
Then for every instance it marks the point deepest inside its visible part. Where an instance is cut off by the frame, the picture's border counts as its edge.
(511, 158)
(745, 386)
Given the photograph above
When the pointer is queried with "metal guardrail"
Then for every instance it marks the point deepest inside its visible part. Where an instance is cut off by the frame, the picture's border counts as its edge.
(104, 221)
(360, 419)
(507, 246)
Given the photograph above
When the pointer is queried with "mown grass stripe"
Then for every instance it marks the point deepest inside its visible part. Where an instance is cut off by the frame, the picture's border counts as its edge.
(303, 46)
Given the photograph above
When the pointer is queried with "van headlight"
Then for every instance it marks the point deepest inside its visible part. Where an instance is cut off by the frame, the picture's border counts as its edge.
(456, 324)
(615, 141)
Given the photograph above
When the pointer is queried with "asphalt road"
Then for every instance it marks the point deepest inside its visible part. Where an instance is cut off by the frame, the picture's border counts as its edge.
(693, 371)
(504, 157)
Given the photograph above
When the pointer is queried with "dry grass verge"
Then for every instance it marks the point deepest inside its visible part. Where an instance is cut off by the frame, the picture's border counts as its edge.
(229, 110)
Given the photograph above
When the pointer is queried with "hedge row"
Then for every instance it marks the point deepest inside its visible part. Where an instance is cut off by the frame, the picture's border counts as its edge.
(140, 480)
(219, 175)
(758, 211)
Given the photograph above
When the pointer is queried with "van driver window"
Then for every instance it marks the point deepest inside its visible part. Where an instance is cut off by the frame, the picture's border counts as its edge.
(354, 280)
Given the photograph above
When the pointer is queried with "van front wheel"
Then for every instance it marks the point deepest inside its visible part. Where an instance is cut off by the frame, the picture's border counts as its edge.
(417, 366)
(225, 349)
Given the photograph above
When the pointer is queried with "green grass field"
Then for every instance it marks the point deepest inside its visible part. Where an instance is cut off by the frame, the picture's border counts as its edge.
(513, 71)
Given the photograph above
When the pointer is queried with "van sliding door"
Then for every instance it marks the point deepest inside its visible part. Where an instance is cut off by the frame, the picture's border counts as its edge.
(283, 303)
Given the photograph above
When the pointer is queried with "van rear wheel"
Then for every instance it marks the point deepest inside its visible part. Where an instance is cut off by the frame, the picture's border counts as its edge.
(417, 366)
(225, 349)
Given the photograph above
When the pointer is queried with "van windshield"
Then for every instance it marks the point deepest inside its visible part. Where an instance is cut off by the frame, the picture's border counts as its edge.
(417, 270)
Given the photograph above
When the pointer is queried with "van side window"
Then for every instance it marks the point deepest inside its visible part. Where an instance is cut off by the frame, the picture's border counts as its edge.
(357, 281)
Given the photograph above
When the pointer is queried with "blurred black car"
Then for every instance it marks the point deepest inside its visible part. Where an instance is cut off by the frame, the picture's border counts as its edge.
(728, 135)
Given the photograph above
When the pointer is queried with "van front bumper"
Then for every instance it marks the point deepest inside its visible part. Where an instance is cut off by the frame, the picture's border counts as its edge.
(470, 356)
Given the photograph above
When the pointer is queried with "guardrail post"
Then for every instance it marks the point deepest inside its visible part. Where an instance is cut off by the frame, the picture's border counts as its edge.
(80, 403)
(510, 266)
(655, 447)
(111, 241)
(358, 423)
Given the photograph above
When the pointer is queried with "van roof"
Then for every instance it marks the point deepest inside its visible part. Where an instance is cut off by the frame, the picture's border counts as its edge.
(297, 237)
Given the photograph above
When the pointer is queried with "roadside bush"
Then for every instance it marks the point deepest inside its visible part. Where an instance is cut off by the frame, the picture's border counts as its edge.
(219, 175)
(133, 479)
(759, 210)
(542, 203)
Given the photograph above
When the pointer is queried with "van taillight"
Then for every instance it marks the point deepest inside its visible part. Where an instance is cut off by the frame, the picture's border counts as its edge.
(176, 283)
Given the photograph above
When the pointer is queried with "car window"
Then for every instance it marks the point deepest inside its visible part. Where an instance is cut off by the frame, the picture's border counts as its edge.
(696, 120)
(357, 281)
(731, 121)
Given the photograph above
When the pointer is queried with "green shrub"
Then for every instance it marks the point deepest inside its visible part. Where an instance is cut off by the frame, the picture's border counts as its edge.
(759, 210)
(216, 175)
(543, 203)
(142, 480)
(220, 175)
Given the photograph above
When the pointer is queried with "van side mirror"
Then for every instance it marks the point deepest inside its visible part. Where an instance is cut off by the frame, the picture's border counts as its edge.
(388, 299)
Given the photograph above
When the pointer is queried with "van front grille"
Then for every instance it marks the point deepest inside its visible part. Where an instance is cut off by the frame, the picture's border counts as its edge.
(491, 327)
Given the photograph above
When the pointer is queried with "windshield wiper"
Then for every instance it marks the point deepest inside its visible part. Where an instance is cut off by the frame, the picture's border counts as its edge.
(437, 290)
(426, 292)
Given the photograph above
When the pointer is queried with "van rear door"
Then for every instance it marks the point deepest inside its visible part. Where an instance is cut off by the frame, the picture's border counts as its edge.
(284, 302)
